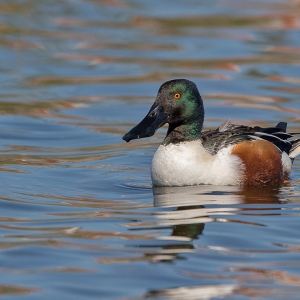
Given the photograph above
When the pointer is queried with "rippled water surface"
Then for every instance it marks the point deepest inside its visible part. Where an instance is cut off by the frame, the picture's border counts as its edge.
(78, 216)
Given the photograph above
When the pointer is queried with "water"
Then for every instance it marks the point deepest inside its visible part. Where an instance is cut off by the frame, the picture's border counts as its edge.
(79, 217)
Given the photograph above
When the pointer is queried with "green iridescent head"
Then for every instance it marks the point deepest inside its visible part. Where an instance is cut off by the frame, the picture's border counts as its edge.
(178, 103)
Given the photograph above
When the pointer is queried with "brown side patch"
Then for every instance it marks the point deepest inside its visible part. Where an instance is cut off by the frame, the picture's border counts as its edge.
(262, 162)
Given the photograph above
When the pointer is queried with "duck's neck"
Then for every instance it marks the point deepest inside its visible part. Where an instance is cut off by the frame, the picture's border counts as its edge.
(183, 133)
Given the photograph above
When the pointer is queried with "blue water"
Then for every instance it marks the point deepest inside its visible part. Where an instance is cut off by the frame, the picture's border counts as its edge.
(78, 215)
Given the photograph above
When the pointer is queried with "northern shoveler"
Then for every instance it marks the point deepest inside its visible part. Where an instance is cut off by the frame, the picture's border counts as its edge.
(229, 155)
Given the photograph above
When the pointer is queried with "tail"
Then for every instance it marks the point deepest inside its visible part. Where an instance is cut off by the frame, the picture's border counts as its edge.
(284, 141)
(294, 151)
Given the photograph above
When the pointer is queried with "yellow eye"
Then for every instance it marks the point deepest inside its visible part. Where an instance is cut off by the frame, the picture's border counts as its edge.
(177, 96)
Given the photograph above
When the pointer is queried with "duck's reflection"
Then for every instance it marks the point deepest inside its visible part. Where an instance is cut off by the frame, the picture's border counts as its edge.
(189, 215)
(185, 211)
(188, 209)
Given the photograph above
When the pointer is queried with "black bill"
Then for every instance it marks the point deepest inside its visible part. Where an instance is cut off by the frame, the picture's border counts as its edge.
(155, 118)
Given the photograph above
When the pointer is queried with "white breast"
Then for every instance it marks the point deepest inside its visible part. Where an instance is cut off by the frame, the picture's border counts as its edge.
(188, 163)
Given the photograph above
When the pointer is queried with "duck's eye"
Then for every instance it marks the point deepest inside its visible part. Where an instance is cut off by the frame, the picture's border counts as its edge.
(177, 96)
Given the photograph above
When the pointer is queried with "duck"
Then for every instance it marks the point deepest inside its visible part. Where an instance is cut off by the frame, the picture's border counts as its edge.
(231, 154)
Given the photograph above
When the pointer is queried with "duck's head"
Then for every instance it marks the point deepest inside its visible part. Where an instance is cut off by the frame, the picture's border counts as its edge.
(178, 103)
